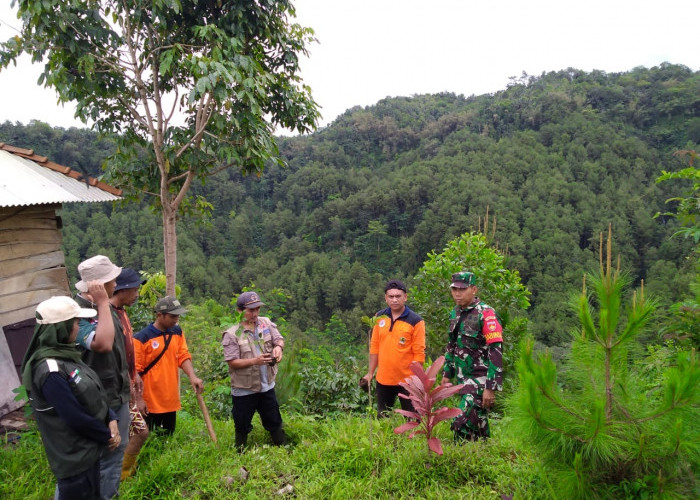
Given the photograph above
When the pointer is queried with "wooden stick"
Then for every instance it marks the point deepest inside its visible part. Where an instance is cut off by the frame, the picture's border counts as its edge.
(207, 420)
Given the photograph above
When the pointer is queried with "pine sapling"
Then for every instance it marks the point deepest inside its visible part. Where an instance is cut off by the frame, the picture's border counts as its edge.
(425, 394)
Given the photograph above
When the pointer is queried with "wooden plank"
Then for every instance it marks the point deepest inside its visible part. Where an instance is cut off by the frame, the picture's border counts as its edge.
(29, 209)
(13, 267)
(39, 215)
(29, 236)
(36, 280)
(14, 251)
(26, 312)
(22, 300)
(49, 221)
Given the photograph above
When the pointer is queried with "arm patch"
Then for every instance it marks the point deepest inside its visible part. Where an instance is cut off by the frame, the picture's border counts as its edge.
(492, 329)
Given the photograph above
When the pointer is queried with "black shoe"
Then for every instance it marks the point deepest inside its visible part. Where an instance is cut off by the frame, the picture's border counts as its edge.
(278, 436)
(241, 440)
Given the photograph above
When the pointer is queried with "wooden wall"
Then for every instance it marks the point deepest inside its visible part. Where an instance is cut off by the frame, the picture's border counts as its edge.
(32, 269)
(32, 264)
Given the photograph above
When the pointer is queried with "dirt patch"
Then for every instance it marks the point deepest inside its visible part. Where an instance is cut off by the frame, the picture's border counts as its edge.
(12, 425)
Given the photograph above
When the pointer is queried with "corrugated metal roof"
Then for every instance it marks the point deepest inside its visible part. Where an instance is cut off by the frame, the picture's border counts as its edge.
(30, 179)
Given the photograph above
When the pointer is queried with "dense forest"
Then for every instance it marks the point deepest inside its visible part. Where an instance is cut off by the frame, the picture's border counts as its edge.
(552, 160)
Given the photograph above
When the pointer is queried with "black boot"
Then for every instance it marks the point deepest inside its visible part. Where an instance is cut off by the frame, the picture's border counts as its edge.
(278, 436)
(241, 440)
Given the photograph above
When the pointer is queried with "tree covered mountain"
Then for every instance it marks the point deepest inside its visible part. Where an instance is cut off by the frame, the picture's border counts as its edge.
(552, 159)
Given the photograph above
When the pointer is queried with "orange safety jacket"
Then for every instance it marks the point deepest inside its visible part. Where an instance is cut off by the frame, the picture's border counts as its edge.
(397, 343)
(161, 385)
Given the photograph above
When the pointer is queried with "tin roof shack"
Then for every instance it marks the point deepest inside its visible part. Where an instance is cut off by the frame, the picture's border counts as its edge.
(32, 264)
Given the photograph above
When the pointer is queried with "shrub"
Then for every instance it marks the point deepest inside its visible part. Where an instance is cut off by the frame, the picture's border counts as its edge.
(498, 286)
(608, 431)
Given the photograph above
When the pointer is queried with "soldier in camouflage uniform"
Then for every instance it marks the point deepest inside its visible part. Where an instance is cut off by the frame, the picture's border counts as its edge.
(473, 357)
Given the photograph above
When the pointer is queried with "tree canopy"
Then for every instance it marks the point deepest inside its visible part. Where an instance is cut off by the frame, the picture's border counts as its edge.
(186, 88)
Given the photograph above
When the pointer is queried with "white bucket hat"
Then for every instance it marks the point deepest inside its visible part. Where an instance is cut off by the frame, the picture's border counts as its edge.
(98, 268)
(61, 308)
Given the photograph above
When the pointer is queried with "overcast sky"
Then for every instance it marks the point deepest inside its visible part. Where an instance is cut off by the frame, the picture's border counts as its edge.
(371, 49)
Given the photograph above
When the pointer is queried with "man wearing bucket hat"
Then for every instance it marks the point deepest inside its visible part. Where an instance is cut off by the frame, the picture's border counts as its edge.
(69, 402)
(253, 349)
(474, 357)
(126, 293)
(104, 348)
(161, 350)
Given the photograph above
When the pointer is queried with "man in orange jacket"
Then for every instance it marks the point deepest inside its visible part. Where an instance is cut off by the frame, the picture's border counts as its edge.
(160, 350)
(398, 338)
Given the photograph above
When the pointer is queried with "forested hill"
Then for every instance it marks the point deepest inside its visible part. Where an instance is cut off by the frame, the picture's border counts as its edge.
(553, 159)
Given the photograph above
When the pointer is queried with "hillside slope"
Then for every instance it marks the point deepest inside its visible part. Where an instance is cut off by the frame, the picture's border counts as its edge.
(553, 159)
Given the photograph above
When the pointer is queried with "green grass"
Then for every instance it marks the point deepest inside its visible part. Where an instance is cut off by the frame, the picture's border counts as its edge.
(326, 459)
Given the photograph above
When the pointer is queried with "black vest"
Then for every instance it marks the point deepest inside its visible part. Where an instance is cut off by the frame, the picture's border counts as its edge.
(112, 367)
(68, 452)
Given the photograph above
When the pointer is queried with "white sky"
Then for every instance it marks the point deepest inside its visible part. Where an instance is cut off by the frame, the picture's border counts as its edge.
(371, 49)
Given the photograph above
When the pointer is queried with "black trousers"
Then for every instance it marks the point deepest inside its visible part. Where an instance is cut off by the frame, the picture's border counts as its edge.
(163, 423)
(265, 403)
(83, 486)
(386, 397)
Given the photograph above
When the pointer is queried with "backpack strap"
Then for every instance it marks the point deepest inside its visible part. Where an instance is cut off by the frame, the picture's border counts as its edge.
(153, 363)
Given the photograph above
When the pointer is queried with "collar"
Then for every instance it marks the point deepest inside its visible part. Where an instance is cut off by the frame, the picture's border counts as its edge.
(387, 312)
(152, 328)
(88, 302)
(81, 298)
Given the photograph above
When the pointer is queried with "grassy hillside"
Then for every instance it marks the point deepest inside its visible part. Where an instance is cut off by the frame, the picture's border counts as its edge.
(344, 458)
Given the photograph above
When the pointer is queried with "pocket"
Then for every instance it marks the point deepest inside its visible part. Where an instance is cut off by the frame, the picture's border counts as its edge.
(472, 340)
(109, 382)
(243, 377)
(246, 350)
(453, 324)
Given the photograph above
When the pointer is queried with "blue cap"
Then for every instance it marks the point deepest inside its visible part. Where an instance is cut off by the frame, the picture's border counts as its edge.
(128, 278)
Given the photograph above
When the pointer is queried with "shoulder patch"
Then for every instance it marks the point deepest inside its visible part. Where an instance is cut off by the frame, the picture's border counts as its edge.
(492, 329)
(52, 364)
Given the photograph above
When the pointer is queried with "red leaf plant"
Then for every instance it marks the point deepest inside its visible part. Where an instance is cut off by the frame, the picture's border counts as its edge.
(424, 395)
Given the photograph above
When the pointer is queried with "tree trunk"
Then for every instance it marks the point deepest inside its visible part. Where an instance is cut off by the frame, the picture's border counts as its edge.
(608, 387)
(170, 246)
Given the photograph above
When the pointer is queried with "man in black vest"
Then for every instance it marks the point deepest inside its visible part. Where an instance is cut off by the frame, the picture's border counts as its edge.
(102, 339)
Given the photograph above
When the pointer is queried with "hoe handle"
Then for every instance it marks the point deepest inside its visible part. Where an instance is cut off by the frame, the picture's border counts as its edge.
(207, 420)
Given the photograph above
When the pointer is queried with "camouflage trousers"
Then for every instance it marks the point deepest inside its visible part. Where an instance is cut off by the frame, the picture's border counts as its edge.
(473, 423)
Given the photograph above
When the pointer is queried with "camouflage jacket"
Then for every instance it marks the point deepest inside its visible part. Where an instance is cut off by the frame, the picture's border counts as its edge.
(475, 345)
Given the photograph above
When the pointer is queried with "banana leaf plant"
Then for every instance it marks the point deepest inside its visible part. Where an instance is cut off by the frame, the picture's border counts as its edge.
(425, 395)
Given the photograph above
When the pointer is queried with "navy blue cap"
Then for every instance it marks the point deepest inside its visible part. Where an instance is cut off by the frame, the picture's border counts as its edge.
(128, 278)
